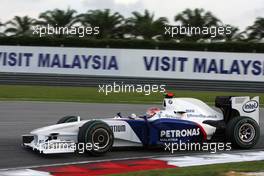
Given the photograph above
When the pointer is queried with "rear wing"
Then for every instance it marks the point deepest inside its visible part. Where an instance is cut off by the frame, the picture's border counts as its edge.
(246, 106)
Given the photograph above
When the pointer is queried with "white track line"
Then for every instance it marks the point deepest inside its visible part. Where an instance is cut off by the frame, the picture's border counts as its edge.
(131, 158)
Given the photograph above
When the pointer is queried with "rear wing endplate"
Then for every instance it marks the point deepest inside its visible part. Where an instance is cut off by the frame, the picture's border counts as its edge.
(246, 106)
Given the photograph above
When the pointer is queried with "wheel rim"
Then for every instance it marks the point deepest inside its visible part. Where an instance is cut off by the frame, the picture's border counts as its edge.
(101, 136)
(247, 132)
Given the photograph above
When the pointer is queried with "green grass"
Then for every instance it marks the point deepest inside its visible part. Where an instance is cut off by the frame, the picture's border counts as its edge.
(88, 94)
(208, 170)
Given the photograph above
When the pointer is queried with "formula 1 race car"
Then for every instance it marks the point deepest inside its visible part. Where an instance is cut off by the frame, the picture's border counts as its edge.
(182, 120)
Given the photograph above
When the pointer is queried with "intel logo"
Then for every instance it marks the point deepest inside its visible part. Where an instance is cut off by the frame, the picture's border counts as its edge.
(250, 106)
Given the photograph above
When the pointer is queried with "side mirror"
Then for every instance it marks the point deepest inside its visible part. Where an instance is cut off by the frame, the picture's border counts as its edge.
(144, 117)
(119, 114)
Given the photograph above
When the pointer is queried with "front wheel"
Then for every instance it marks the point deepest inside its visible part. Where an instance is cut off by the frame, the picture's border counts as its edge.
(98, 134)
(243, 132)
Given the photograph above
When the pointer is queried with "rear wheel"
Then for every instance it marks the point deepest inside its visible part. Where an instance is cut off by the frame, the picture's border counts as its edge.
(98, 134)
(243, 132)
(68, 119)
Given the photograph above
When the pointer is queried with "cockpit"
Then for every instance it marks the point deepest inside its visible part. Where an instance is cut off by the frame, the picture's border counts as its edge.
(171, 110)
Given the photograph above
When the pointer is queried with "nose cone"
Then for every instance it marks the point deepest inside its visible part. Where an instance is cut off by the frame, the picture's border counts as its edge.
(47, 129)
(64, 128)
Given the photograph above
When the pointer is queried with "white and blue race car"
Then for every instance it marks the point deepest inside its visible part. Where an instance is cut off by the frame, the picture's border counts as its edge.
(183, 119)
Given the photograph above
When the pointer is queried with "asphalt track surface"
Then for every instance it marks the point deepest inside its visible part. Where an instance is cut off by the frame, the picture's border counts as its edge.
(17, 118)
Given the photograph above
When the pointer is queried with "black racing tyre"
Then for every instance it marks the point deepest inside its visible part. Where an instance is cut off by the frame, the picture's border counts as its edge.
(97, 133)
(68, 119)
(242, 132)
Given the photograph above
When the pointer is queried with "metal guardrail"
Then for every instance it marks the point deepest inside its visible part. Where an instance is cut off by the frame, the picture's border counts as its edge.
(94, 81)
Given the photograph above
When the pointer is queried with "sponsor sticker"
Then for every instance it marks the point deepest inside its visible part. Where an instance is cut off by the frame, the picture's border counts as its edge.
(118, 128)
(250, 106)
(173, 135)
